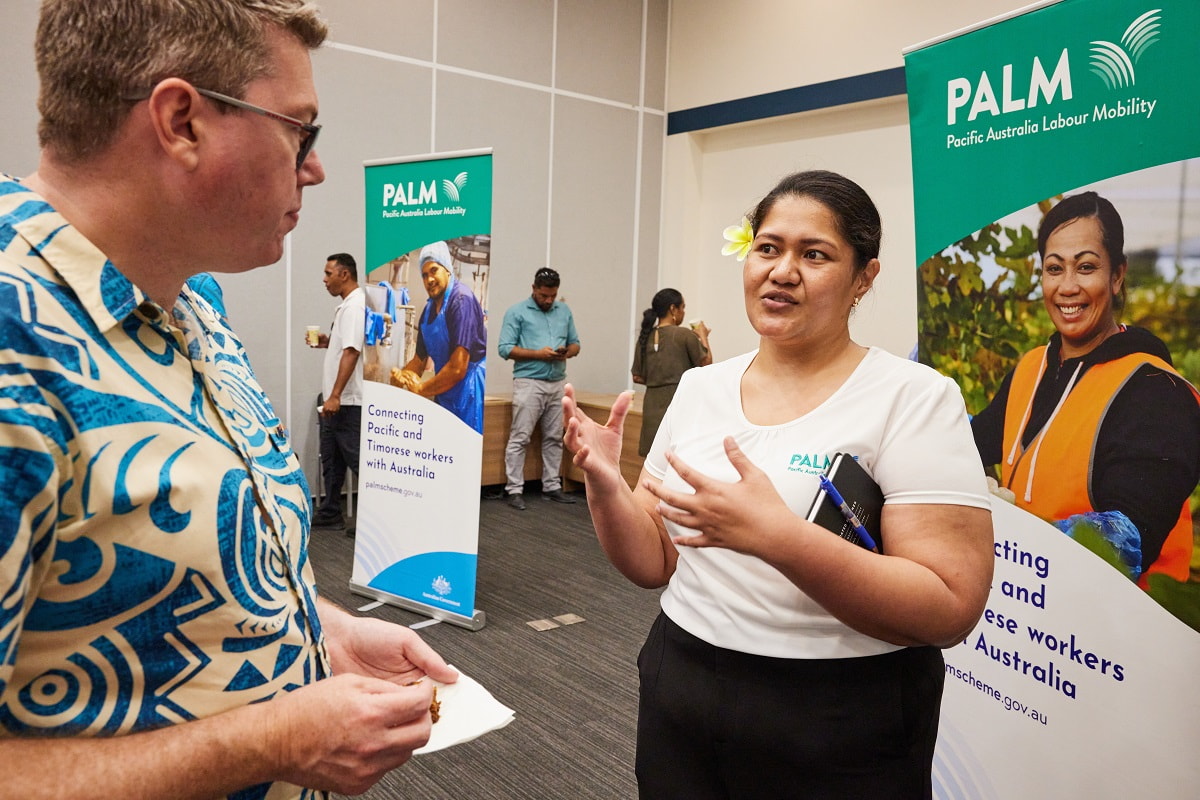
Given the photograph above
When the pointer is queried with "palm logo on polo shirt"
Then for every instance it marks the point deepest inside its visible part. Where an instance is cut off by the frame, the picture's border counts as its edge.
(810, 463)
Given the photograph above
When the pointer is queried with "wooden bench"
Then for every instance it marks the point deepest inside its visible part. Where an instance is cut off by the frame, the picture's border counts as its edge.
(497, 422)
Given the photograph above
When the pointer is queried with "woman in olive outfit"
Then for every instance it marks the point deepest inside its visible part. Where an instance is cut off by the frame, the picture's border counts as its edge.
(664, 351)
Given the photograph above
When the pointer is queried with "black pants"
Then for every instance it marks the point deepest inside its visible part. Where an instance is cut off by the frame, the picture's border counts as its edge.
(718, 724)
(339, 449)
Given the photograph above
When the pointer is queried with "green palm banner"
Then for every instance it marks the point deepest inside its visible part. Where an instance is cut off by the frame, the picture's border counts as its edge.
(417, 539)
(1008, 118)
(410, 202)
(1055, 98)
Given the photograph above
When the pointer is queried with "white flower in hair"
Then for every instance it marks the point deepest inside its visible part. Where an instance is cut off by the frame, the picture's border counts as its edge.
(738, 239)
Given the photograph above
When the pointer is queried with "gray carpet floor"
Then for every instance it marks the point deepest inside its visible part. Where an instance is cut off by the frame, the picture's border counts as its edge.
(573, 688)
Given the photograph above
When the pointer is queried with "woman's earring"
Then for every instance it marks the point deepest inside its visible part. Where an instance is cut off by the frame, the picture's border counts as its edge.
(855, 303)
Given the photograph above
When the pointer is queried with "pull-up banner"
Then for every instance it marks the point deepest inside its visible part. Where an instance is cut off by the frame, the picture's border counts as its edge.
(428, 256)
(1079, 681)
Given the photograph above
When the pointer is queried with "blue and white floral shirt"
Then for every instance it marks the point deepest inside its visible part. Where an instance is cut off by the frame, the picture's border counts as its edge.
(153, 517)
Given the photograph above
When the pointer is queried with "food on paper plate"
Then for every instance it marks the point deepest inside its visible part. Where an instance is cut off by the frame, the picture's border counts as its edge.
(435, 705)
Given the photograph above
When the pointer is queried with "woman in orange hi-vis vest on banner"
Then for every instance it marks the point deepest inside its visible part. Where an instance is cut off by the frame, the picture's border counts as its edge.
(1096, 432)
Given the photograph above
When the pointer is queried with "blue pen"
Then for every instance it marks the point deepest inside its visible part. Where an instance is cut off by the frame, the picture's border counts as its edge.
(847, 512)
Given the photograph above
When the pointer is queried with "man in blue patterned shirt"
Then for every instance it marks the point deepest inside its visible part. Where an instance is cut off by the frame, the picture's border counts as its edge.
(155, 589)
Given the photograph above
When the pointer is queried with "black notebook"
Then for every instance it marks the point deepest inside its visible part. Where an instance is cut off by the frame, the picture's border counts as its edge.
(861, 493)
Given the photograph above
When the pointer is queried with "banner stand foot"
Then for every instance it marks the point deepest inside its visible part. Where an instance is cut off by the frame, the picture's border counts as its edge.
(472, 623)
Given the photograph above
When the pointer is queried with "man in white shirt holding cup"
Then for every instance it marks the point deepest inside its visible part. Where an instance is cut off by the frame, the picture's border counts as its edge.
(341, 385)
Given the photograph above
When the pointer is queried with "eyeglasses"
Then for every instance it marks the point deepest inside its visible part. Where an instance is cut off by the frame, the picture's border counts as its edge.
(308, 137)
(545, 273)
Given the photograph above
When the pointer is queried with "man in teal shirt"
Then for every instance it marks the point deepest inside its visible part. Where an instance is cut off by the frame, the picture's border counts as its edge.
(539, 336)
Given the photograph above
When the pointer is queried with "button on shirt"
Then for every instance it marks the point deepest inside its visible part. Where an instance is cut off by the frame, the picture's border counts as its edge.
(154, 520)
(526, 325)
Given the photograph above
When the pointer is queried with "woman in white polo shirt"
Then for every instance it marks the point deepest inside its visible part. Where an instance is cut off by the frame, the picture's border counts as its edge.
(787, 661)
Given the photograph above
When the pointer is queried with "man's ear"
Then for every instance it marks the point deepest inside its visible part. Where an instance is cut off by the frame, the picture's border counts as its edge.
(178, 120)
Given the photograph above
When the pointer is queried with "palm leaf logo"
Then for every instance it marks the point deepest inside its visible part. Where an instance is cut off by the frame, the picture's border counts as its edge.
(454, 187)
(1114, 62)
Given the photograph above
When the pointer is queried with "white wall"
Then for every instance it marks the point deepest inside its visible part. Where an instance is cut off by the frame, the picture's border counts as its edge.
(574, 148)
(721, 51)
(572, 95)
(731, 168)
(569, 94)
(18, 90)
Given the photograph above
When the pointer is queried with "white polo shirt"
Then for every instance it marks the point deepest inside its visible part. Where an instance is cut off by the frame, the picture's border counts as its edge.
(906, 423)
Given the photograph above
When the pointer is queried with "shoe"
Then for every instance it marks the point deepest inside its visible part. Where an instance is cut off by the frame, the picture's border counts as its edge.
(558, 497)
(334, 520)
(517, 501)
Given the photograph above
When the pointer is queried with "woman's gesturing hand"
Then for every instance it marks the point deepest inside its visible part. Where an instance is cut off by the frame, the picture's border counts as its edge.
(597, 448)
(740, 516)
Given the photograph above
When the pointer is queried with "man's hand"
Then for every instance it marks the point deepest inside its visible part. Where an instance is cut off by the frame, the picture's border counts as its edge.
(344, 733)
(379, 649)
(330, 405)
(340, 734)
